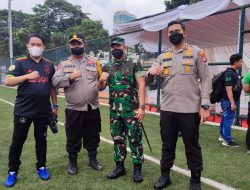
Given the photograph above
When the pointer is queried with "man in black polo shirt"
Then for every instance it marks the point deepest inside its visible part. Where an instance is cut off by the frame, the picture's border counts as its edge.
(230, 96)
(33, 76)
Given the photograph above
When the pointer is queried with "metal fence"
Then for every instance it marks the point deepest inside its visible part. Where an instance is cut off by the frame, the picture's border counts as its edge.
(218, 58)
(61, 53)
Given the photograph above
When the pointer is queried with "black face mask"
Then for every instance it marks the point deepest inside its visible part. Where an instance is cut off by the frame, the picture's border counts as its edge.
(117, 53)
(77, 51)
(176, 38)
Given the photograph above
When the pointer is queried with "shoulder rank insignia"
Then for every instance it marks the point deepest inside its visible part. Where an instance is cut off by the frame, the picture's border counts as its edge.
(188, 52)
(168, 55)
(202, 55)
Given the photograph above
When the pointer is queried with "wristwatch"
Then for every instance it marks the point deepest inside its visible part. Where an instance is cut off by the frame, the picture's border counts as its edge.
(205, 107)
(55, 106)
(143, 106)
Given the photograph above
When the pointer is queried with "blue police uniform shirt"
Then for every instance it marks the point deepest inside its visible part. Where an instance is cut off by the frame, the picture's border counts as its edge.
(33, 96)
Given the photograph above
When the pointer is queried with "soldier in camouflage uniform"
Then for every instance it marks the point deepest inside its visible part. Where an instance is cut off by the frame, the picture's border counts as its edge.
(126, 107)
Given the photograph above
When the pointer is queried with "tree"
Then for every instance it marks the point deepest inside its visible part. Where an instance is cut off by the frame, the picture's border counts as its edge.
(55, 16)
(92, 30)
(176, 3)
(55, 20)
(19, 24)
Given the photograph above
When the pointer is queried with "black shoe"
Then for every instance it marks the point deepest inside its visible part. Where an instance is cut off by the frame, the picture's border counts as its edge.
(118, 172)
(162, 182)
(195, 186)
(138, 178)
(93, 163)
(72, 168)
(230, 144)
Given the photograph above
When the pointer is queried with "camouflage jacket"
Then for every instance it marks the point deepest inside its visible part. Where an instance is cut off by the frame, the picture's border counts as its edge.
(123, 95)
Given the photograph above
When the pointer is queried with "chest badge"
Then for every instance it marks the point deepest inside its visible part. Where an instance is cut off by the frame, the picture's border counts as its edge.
(166, 71)
(187, 69)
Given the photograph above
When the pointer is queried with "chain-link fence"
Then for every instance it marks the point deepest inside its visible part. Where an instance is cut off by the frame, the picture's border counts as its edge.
(218, 57)
(136, 53)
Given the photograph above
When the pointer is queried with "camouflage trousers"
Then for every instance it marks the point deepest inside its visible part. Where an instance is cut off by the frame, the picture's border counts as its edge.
(123, 126)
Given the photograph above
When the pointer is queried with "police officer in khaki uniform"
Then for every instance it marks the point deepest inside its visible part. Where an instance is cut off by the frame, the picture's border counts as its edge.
(79, 76)
(185, 102)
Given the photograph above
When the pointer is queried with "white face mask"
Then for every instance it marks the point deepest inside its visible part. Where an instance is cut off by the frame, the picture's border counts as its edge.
(36, 51)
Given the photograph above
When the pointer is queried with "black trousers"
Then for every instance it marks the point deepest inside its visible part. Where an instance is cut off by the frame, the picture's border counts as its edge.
(188, 124)
(248, 130)
(21, 129)
(82, 129)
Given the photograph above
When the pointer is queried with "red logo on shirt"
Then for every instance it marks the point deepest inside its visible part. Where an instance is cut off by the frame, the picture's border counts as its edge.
(46, 70)
(29, 71)
(40, 80)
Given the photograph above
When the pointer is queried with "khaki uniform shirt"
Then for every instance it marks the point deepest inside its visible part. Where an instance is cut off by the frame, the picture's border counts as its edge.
(186, 80)
(83, 90)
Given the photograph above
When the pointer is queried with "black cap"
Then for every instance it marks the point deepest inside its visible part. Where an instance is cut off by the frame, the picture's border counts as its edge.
(76, 37)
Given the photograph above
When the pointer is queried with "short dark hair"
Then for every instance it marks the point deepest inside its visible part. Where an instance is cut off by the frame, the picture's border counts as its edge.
(36, 35)
(235, 57)
(177, 22)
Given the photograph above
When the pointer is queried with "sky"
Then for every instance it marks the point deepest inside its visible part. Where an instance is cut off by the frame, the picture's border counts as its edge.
(98, 9)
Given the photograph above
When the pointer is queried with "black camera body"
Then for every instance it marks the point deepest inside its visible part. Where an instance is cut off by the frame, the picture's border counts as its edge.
(53, 122)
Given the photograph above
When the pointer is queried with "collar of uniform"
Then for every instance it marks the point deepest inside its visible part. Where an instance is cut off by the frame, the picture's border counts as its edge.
(71, 58)
(120, 62)
(185, 47)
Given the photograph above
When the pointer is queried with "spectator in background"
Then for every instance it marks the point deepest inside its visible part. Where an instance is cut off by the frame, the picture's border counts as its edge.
(246, 88)
(230, 96)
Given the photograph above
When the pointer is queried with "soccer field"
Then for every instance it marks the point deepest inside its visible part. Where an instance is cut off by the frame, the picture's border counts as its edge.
(228, 166)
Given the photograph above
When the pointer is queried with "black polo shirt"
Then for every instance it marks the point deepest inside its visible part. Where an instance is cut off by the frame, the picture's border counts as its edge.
(33, 96)
(230, 78)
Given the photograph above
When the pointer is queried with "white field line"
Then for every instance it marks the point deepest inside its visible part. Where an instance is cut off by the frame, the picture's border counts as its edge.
(177, 169)
(156, 113)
